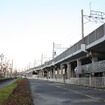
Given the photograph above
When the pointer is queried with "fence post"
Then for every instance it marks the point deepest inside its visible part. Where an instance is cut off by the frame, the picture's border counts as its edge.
(90, 81)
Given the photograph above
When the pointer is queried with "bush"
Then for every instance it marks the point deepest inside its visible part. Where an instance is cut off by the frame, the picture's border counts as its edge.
(21, 95)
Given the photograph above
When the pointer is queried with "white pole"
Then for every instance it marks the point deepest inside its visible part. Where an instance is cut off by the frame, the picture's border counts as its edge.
(82, 24)
(53, 50)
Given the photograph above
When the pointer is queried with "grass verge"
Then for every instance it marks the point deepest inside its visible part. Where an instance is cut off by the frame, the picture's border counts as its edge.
(18, 93)
(4, 79)
(21, 94)
(7, 91)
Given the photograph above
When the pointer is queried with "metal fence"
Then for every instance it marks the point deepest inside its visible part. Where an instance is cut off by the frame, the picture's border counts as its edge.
(91, 81)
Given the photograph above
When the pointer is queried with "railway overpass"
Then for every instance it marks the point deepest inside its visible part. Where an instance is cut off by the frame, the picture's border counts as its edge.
(86, 58)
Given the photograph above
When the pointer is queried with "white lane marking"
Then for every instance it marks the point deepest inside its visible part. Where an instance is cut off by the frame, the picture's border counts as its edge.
(70, 90)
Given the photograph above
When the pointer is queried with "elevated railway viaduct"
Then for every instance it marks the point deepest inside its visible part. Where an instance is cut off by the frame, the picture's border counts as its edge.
(86, 58)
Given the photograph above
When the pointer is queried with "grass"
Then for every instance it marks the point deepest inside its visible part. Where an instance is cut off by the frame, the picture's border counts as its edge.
(21, 94)
(4, 79)
(18, 93)
(7, 91)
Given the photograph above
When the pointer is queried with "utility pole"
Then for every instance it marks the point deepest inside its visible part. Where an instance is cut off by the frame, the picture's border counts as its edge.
(55, 47)
(95, 16)
(53, 50)
(34, 63)
(41, 59)
(82, 24)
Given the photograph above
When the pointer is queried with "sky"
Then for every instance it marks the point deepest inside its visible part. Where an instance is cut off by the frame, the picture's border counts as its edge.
(28, 28)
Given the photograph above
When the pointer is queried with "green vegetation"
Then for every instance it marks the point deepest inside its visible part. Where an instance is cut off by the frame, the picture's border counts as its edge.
(7, 91)
(18, 93)
(5, 79)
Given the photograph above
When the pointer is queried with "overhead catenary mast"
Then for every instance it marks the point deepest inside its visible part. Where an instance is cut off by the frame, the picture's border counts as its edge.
(95, 16)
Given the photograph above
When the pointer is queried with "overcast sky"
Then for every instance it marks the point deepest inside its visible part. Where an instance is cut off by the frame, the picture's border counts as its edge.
(28, 28)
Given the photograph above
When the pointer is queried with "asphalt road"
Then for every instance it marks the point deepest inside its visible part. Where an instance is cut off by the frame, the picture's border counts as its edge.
(49, 93)
(6, 83)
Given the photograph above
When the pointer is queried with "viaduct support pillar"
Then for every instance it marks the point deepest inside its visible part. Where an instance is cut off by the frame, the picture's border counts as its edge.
(54, 73)
(61, 67)
(79, 63)
(68, 70)
(57, 72)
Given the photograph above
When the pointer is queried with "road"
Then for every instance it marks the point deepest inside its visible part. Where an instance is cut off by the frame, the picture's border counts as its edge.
(6, 83)
(50, 93)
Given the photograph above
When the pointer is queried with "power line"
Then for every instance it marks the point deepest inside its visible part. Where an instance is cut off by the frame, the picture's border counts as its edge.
(95, 16)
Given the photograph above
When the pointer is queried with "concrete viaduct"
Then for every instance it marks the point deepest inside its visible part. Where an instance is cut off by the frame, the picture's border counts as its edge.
(86, 58)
